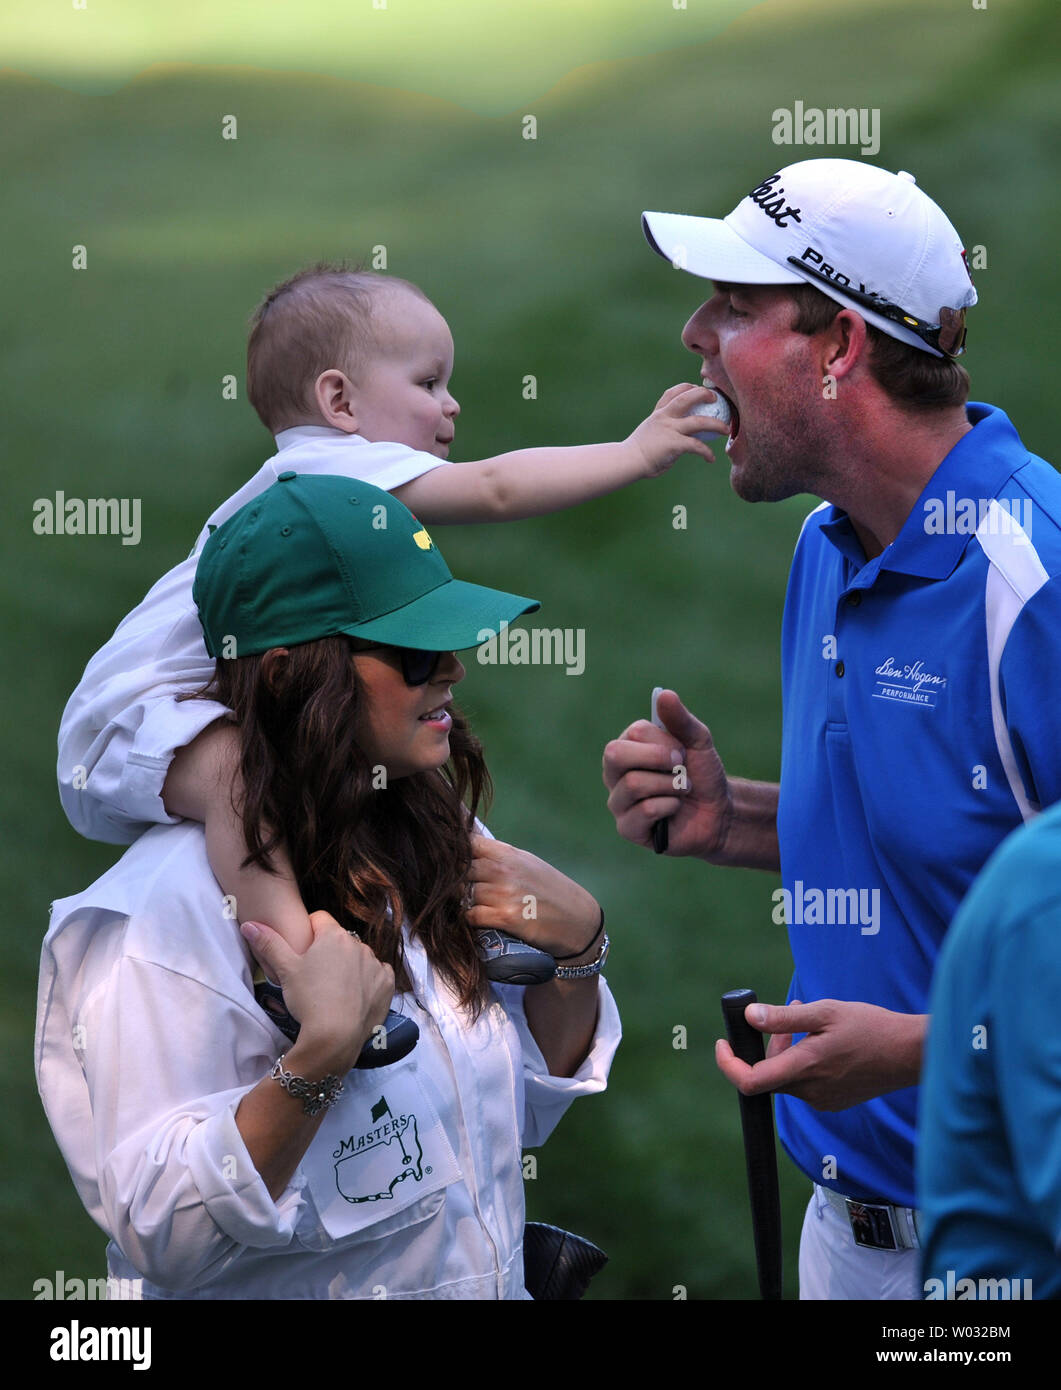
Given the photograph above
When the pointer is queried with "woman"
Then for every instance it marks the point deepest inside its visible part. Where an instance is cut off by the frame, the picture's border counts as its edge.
(223, 1161)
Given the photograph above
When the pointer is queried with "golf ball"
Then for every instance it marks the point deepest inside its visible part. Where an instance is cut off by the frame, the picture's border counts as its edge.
(717, 409)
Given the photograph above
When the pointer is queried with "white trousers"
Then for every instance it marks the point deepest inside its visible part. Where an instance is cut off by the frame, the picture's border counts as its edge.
(832, 1266)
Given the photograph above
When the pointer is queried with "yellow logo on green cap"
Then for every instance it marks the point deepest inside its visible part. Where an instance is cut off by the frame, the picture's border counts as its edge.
(422, 539)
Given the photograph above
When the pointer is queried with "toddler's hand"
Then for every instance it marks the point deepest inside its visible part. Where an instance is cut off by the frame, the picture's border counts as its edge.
(670, 430)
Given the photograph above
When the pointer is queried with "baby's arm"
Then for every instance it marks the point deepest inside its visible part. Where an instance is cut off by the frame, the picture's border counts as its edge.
(534, 482)
(204, 784)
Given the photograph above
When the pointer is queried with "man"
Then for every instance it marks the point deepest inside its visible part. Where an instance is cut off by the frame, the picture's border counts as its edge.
(921, 652)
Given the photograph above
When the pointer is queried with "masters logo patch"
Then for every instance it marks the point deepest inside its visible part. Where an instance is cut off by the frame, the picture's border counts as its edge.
(399, 1131)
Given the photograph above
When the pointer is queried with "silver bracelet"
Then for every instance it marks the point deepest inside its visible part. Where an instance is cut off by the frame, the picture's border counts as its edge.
(314, 1095)
(582, 972)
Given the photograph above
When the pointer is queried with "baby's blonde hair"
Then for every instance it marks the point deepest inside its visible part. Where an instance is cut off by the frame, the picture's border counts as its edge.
(322, 317)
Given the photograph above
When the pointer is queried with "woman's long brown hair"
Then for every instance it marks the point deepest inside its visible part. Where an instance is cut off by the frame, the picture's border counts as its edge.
(373, 853)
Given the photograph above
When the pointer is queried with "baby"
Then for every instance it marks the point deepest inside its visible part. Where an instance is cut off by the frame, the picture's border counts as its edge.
(350, 371)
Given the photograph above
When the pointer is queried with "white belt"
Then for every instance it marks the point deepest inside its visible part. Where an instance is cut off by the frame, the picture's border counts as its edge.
(875, 1225)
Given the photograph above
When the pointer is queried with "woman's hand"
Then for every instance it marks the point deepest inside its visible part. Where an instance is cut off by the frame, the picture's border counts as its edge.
(519, 893)
(337, 989)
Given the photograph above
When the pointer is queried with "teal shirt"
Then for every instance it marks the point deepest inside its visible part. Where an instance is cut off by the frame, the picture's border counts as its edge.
(989, 1154)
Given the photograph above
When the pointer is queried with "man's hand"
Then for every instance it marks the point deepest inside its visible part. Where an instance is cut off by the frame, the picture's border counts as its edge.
(516, 892)
(674, 772)
(851, 1052)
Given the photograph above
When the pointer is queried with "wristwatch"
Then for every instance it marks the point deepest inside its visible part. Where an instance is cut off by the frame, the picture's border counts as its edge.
(582, 972)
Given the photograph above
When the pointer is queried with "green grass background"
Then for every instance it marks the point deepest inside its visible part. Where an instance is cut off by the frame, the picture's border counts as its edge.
(532, 249)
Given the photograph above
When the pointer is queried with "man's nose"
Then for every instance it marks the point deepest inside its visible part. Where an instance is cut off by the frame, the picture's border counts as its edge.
(698, 335)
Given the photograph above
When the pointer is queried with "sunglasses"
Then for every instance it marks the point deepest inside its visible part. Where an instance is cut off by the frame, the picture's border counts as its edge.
(418, 666)
(948, 337)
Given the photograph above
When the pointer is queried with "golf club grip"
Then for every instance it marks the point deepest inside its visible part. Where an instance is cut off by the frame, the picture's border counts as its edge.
(746, 1041)
(760, 1152)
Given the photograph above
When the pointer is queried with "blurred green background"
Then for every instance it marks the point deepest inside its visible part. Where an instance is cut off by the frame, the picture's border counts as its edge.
(531, 248)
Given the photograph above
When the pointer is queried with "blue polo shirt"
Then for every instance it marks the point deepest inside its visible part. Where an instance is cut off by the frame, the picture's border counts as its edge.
(921, 725)
(989, 1148)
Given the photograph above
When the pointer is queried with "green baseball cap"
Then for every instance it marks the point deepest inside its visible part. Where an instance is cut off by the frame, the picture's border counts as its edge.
(316, 555)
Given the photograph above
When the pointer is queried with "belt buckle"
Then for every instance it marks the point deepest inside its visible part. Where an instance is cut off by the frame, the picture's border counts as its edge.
(872, 1225)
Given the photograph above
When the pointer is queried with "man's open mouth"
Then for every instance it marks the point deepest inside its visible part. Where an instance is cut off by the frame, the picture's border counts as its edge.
(734, 425)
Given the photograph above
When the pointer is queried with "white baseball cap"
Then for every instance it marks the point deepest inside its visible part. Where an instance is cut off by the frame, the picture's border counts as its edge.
(867, 238)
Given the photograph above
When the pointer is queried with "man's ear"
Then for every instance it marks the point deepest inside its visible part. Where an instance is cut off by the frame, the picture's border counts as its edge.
(334, 393)
(844, 344)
